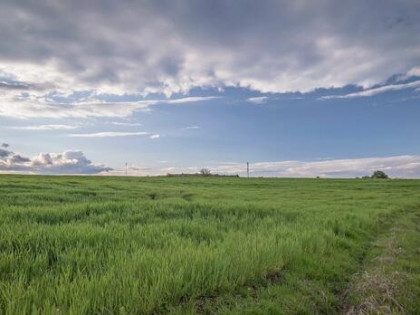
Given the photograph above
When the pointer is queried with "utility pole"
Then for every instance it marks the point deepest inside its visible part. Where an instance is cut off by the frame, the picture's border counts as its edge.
(247, 169)
(126, 168)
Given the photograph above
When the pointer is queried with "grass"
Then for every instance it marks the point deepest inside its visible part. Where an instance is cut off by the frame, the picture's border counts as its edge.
(86, 245)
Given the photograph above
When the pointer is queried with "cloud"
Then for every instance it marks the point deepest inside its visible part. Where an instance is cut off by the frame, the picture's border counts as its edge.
(377, 90)
(28, 107)
(4, 145)
(69, 162)
(191, 127)
(127, 124)
(4, 153)
(414, 72)
(396, 166)
(191, 99)
(17, 159)
(46, 127)
(155, 136)
(403, 166)
(168, 47)
(110, 134)
(258, 100)
(13, 86)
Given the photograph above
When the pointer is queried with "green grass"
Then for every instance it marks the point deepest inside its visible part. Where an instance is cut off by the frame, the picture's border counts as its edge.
(86, 245)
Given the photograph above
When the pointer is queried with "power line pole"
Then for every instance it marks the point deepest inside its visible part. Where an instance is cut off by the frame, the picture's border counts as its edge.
(247, 169)
(126, 168)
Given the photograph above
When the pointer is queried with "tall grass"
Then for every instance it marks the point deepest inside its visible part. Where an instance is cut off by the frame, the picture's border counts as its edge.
(127, 245)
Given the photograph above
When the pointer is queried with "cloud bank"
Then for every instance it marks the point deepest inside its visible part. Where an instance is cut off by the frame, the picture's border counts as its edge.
(404, 166)
(75, 162)
(69, 162)
(51, 51)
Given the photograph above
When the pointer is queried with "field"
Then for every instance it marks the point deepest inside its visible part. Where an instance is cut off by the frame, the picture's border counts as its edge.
(106, 245)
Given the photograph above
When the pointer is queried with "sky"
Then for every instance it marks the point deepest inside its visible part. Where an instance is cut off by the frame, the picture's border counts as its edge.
(298, 88)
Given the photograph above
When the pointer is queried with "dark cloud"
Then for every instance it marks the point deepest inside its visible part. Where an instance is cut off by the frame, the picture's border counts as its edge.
(4, 153)
(4, 145)
(13, 86)
(8, 84)
(16, 158)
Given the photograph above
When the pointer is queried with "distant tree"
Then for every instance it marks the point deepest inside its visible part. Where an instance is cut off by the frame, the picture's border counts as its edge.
(205, 172)
(366, 177)
(379, 174)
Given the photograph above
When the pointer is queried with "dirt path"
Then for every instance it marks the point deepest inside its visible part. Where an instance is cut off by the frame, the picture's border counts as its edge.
(389, 280)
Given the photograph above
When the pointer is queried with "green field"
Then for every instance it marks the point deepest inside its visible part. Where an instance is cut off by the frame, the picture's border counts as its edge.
(106, 245)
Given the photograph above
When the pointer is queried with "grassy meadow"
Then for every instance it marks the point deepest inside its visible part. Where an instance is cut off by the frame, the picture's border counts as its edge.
(107, 245)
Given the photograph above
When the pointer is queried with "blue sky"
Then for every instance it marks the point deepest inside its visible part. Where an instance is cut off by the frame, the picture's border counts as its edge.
(172, 88)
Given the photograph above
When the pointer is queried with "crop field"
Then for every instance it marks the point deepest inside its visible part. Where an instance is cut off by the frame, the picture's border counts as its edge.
(109, 245)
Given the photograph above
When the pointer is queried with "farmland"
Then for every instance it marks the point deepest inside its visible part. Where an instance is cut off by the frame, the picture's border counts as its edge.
(109, 245)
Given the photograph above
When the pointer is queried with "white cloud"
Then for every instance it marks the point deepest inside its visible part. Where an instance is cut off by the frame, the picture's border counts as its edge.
(378, 90)
(258, 100)
(109, 134)
(69, 162)
(24, 107)
(155, 136)
(46, 127)
(127, 124)
(191, 127)
(191, 99)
